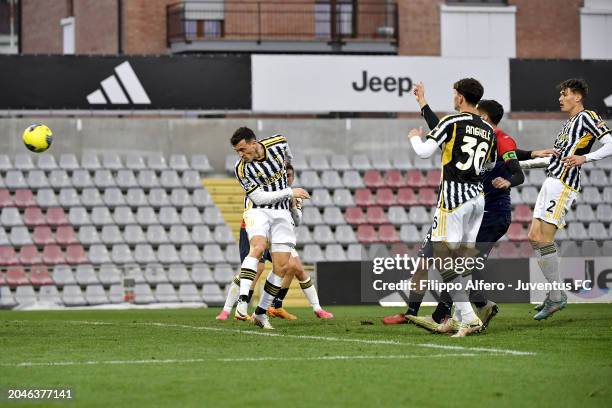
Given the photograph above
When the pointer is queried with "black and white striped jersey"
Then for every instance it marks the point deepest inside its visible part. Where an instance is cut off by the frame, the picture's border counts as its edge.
(575, 138)
(468, 143)
(269, 174)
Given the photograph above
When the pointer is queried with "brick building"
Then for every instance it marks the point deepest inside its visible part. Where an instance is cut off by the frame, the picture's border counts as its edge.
(565, 29)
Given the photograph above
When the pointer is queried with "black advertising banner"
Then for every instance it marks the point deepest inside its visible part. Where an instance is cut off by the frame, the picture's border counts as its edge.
(533, 83)
(210, 82)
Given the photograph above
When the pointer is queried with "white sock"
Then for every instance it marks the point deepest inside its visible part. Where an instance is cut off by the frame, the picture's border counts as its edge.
(271, 288)
(248, 271)
(232, 294)
(463, 308)
(311, 294)
(466, 312)
(549, 264)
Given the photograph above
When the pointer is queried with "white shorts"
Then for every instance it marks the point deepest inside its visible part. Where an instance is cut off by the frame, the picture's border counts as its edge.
(276, 225)
(460, 225)
(554, 201)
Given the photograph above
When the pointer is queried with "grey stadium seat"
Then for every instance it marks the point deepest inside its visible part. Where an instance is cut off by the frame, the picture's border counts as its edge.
(49, 294)
(62, 275)
(109, 274)
(323, 235)
(6, 298)
(397, 215)
(164, 292)
(133, 235)
(178, 274)
(345, 234)
(126, 179)
(136, 197)
(604, 213)
(310, 180)
(46, 161)
(212, 294)
(190, 254)
(179, 234)
(331, 179)
(90, 161)
(335, 253)
(68, 197)
(98, 254)
(401, 161)
(333, 216)
(24, 295)
(378, 250)
(419, 215)
(343, 198)
(212, 253)
(170, 179)
(101, 216)
(212, 216)
(311, 216)
(200, 163)
(23, 161)
(147, 179)
(157, 161)
(111, 235)
(303, 236)
(68, 161)
(423, 164)
(85, 275)
(10, 217)
(224, 273)
(590, 248)
(113, 197)
(59, 179)
(191, 180)
(361, 162)
(232, 254)
(201, 274)
(37, 179)
(45, 197)
(88, 235)
(318, 162)
(78, 216)
(223, 235)
(569, 249)
(90, 197)
(146, 216)
(381, 162)
(584, 212)
(410, 233)
(20, 236)
(155, 273)
(312, 253)
(169, 216)
(95, 295)
(576, 231)
(230, 163)
(299, 161)
(598, 178)
(340, 162)
(14, 179)
(123, 216)
(156, 235)
(180, 198)
(111, 161)
(116, 294)
(201, 198)
(320, 198)
(591, 195)
(81, 179)
(167, 254)
(352, 180)
(178, 162)
(121, 254)
(134, 161)
(597, 231)
(134, 272)
(5, 163)
(143, 294)
(200, 234)
(188, 292)
(4, 241)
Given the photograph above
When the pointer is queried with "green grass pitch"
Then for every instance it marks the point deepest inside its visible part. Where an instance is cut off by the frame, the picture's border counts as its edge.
(184, 358)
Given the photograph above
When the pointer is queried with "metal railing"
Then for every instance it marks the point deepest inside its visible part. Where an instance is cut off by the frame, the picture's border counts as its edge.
(330, 21)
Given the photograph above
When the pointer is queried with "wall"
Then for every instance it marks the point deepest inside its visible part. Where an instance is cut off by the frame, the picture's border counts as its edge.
(96, 26)
(41, 30)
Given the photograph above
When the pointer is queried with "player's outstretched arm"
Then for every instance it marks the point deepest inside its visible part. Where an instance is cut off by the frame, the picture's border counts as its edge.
(422, 149)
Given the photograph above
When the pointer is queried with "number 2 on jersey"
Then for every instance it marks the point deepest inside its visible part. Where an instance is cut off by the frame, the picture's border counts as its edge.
(476, 154)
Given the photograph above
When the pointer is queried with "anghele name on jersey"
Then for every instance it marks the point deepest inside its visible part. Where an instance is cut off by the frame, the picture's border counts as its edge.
(476, 131)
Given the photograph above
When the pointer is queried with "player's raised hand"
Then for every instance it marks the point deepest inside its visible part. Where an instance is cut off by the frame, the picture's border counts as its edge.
(573, 161)
(419, 94)
(500, 182)
(544, 153)
(300, 193)
(415, 133)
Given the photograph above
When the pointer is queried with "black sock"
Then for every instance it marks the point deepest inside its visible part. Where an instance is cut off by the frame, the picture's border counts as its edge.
(243, 298)
(444, 307)
(277, 303)
(414, 303)
(248, 300)
(260, 311)
(480, 304)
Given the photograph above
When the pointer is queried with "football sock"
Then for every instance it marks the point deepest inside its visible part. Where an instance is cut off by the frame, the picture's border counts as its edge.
(248, 271)
(270, 291)
(443, 308)
(277, 303)
(232, 294)
(414, 303)
(311, 294)
(549, 263)
(249, 296)
(477, 296)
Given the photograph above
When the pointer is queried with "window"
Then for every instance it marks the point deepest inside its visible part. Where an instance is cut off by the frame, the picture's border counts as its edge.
(68, 34)
(344, 19)
(478, 2)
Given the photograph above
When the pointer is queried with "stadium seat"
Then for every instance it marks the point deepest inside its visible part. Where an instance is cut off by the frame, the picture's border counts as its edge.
(419, 215)
(7, 300)
(20, 236)
(146, 216)
(335, 253)
(46, 162)
(169, 216)
(98, 254)
(224, 273)
(414, 178)
(200, 163)
(5, 163)
(68, 161)
(156, 235)
(355, 252)
(177, 274)
(65, 235)
(190, 254)
(42, 235)
(302, 235)
(10, 217)
(76, 255)
(598, 178)
(343, 198)
(126, 179)
(333, 216)
(385, 197)
(4, 240)
(424, 164)
(211, 216)
(121, 254)
(352, 180)
(143, 294)
(14, 180)
(410, 233)
(376, 215)
(536, 178)
(320, 198)
(400, 248)
(569, 249)
(367, 234)
(37, 179)
(310, 180)
(339, 162)
(360, 162)
(155, 273)
(167, 254)
(111, 161)
(179, 198)
(373, 179)
(230, 163)
(33, 216)
(401, 160)
(170, 179)
(323, 235)
(113, 198)
(522, 213)
(345, 235)
(432, 179)
(104, 179)
(136, 197)
(116, 293)
(59, 179)
(427, 197)
(355, 215)
(29, 255)
(56, 217)
(95, 295)
(164, 293)
(23, 161)
(529, 195)
(16, 276)
(591, 195)
(179, 234)
(516, 232)
(606, 247)
(124, 216)
(133, 235)
(576, 231)
(62, 275)
(312, 253)
(597, 231)
(331, 179)
(188, 292)
(109, 275)
(394, 179)
(52, 255)
(179, 162)
(90, 197)
(604, 213)
(6, 200)
(134, 161)
(591, 249)
(381, 162)
(212, 295)
(318, 162)
(201, 274)
(364, 197)
(223, 235)
(232, 254)
(156, 161)
(24, 198)
(90, 161)
(200, 234)
(311, 216)
(397, 215)
(135, 273)
(147, 179)
(191, 180)
(201, 198)
(378, 250)
(388, 234)
(585, 213)
(49, 295)
(45, 197)
(25, 295)
(101, 216)
(80, 179)
(85, 275)
(406, 197)
(111, 235)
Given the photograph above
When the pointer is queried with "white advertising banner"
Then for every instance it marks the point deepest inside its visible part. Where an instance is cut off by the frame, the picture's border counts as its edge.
(312, 83)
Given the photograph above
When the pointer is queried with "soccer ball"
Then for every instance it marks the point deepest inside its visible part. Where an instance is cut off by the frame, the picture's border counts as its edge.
(37, 137)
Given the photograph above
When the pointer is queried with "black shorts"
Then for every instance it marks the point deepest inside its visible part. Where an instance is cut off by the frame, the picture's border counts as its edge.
(245, 247)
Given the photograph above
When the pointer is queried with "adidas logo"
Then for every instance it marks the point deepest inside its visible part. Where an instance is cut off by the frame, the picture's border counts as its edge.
(114, 90)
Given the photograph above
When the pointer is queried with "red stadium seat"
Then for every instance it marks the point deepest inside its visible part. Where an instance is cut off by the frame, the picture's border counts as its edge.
(8, 257)
(414, 178)
(516, 232)
(5, 199)
(16, 276)
(364, 197)
(24, 198)
(394, 179)
(367, 234)
(376, 215)
(406, 196)
(42, 235)
(355, 215)
(388, 234)
(75, 254)
(65, 235)
(522, 213)
(427, 197)
(56, 216)
(385, 197)
(33, 216)
(52, 255)
(373, 179)
(39, 276)
(433, 178)
(398, 248)
(507, 249)
(28, 255)
(525, 250)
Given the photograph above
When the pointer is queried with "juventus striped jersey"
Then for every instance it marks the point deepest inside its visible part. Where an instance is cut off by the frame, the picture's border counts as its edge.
(575, 138)
(469, 142)
(269, 174)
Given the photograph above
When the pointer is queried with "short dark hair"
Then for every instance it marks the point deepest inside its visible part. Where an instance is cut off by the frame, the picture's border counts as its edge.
(493, 109)
(289, 166)
(576, 85)
(470, 88)
(242, 133)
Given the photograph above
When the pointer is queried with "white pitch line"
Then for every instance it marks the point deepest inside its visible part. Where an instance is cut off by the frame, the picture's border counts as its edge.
(233, 360)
